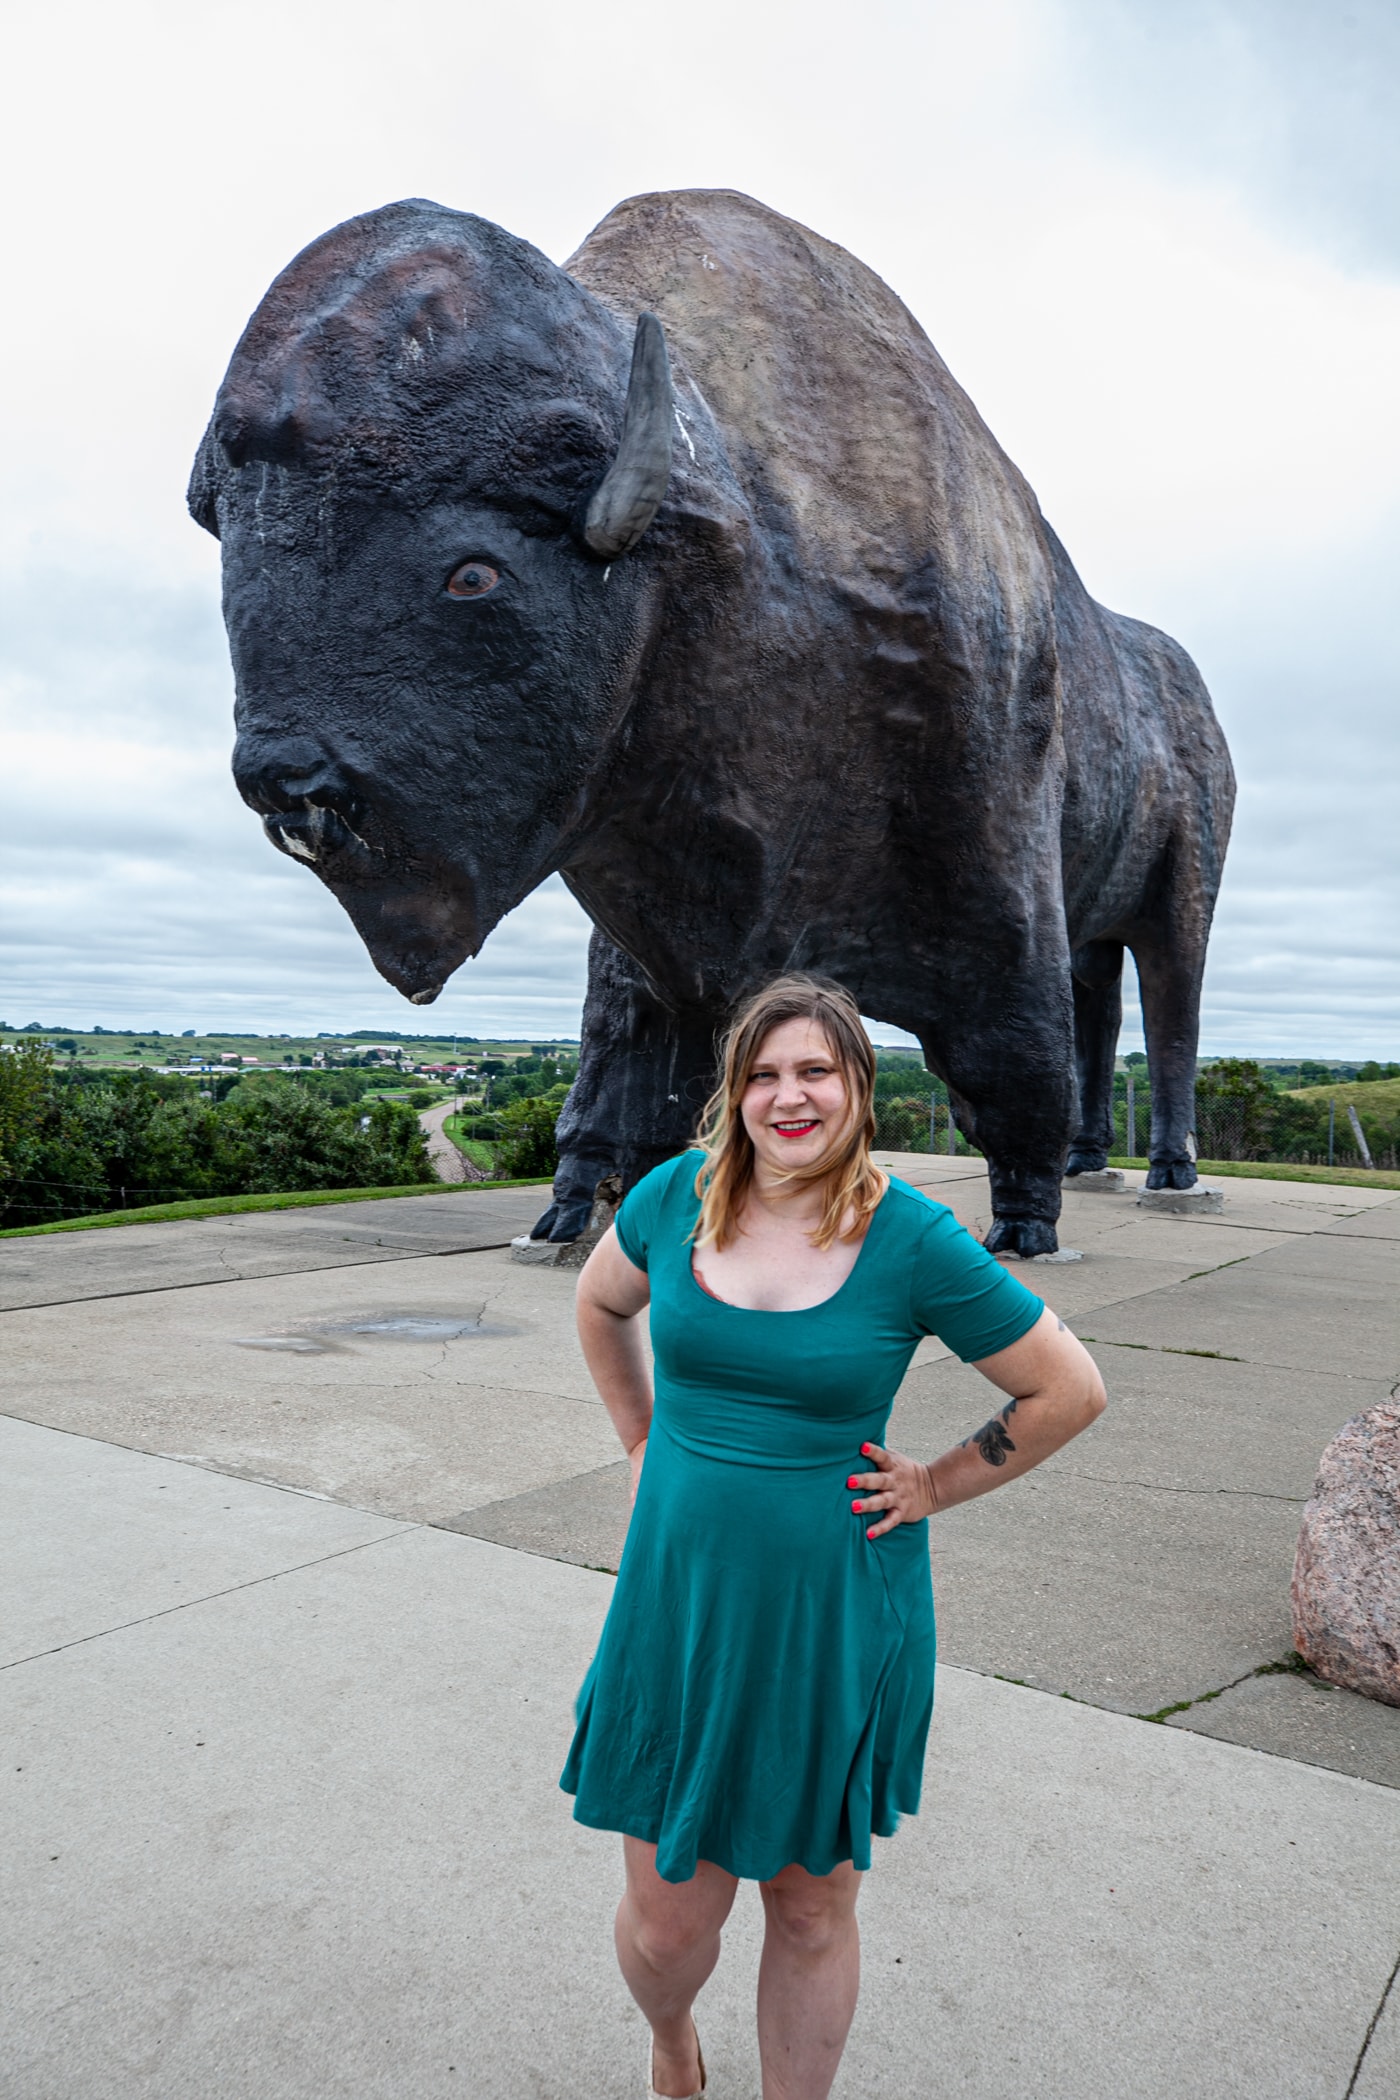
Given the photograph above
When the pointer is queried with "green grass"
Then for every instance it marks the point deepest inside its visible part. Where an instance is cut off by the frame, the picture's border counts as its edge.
(1285, 1170)
(229, 1206)
(1373, 1097)
(475, 1149)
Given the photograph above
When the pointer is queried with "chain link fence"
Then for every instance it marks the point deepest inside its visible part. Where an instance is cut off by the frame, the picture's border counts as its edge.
(1238, 1130)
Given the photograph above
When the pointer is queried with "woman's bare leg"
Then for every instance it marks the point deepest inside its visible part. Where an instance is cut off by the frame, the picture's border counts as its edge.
(667, 1946)
(808, 1980)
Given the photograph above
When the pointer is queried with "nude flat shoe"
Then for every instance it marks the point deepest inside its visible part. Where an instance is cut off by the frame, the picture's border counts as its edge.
(652, 2093)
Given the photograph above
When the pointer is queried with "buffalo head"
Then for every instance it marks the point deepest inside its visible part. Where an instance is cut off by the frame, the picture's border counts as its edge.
(428, 464)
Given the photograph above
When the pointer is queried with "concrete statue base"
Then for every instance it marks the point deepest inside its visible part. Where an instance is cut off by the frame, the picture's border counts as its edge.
(1104, 1180)
(572, 1254)
(1187, 1202)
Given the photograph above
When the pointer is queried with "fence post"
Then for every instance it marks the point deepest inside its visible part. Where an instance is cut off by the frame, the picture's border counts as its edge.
(1359, 1134)
(1131, 1118)
(1332, 1132)
(933, 1122)
(952, 1130)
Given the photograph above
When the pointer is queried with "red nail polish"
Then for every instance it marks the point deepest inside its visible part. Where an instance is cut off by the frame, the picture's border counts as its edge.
(870, 1534)
(865, 1450)
(852, 1481)
(855, 1509)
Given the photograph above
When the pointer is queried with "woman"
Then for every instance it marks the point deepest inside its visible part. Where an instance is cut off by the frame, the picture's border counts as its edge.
(761, 1695)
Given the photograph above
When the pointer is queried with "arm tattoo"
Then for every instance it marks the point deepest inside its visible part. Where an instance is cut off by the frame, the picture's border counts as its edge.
(991, 1439)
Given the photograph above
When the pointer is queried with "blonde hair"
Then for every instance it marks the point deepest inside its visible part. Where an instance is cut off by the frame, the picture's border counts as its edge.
(851, 1182)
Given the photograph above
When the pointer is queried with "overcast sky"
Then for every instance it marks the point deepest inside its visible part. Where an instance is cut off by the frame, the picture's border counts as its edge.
(1158, 244)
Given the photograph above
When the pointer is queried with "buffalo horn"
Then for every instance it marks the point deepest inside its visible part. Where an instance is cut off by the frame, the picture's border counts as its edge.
(629, 495)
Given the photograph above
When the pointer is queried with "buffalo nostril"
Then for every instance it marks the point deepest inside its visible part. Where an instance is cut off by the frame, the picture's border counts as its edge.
(291, 774)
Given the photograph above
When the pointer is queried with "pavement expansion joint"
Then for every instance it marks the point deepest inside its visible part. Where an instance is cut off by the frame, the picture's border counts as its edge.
(254, 1582)
(1165, 1349)
(204, 1283)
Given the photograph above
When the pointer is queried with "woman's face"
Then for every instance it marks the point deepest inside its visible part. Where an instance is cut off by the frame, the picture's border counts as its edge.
(796, 1104)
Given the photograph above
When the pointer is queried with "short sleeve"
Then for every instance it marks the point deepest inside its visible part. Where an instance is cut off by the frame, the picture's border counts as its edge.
(964, 1296)
(640, 1211)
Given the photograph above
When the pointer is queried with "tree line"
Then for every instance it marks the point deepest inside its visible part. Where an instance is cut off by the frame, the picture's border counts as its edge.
(77, 1142)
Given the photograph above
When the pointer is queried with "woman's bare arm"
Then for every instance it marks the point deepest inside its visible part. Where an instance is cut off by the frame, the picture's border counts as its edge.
(1053, 1391)
(612, 1295)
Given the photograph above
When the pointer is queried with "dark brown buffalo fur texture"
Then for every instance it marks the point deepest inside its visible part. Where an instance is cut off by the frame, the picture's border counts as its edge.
(845, 706)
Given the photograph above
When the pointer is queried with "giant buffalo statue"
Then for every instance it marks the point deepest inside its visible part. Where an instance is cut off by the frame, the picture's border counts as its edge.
(764, 645)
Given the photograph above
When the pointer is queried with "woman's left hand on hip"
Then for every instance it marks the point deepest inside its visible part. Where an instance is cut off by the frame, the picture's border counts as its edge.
(901, 1492)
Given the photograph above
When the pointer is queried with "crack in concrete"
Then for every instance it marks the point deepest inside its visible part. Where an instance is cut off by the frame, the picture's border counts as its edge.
(1291, 1665)
(1257, 1363)
(1158, 1487)
(1371, 2030)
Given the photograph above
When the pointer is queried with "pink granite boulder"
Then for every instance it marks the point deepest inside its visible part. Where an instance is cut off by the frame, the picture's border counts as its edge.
(1346, 1578)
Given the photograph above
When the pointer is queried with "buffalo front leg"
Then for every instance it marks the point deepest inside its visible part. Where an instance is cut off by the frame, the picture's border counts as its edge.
(1097, 977)
(1012, 1088)
(644, 1075)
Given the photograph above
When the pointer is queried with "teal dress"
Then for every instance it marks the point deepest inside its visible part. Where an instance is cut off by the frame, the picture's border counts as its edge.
(763, 1684)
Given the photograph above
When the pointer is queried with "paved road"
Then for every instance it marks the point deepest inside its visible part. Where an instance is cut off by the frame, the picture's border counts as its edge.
(301, 1518)
(452, 1166)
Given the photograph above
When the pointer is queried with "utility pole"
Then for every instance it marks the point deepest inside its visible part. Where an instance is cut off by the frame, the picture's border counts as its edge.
(1359, 1134)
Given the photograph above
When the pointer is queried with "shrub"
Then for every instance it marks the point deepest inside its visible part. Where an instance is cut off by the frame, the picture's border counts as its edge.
(902, 1125)
(113, 1144)
(527, 1145)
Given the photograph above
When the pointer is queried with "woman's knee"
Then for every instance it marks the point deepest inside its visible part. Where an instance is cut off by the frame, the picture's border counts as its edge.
(811, 1912)
(668, 1936)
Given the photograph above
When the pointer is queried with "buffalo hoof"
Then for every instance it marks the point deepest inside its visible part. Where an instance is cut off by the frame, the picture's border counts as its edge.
(570, 1220)
(1084, 1161)
(562, 1221)
(1024, 1236)
(1172, 1174)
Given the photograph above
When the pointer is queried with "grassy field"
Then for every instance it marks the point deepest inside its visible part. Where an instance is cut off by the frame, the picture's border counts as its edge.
(230, 1206)
(129, 1048)
(1372, 1097)
(1285, 1170)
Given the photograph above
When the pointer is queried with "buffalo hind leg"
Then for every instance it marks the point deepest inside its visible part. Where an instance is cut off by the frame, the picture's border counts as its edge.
(1170, 972)
(1097, 978)
(644, 1074)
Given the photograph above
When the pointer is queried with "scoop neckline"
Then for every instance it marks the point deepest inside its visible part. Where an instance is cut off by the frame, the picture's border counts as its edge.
(787, 1312)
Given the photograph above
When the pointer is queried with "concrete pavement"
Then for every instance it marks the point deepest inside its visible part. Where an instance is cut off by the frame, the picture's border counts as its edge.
(283, 1824)
(66, 1267)
(301, 1518)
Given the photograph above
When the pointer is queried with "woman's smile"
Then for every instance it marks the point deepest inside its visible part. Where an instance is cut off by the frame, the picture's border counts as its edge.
(796, 1096)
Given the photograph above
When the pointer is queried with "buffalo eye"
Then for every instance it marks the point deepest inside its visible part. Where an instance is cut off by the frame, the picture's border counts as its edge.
(472, 580)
